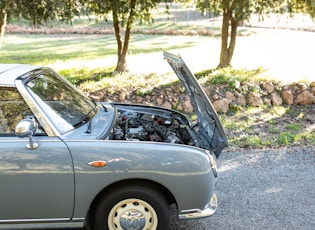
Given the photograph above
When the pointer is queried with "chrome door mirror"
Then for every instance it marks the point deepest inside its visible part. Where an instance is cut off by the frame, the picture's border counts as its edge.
(26, 128)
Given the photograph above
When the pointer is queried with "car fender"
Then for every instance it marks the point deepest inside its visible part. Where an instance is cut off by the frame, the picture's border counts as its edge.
(183, 170)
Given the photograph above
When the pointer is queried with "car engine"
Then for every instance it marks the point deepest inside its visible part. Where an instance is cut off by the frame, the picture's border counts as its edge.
(138, 126)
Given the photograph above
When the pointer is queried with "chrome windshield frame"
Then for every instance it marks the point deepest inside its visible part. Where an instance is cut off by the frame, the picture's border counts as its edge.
(52, 123)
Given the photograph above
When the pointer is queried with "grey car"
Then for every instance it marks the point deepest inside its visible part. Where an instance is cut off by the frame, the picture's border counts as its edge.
(67, 161)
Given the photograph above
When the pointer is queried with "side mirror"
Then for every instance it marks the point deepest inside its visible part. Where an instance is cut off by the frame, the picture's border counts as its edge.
(26, 128)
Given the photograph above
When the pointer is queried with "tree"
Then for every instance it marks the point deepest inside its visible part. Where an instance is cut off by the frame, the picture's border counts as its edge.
(124, 13)
(3, 22)
(43, 11)
(236, 11)
(37, 11)
(7, 7)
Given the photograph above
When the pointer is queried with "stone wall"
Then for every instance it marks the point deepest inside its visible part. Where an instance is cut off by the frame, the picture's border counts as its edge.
(222, 96)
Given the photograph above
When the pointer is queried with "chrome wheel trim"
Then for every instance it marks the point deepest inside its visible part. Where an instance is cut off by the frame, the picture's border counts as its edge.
(132, 214)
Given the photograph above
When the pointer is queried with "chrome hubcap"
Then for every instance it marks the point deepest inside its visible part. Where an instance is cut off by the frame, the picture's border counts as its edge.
(132, 214)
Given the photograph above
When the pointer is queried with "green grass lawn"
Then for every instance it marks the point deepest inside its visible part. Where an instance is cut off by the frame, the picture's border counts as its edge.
(46, 49)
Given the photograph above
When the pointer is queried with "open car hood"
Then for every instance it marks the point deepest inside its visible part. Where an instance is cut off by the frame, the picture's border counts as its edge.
(208, 122)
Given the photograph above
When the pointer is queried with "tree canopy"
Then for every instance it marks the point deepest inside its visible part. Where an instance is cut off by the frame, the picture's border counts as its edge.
(236, 11)
(37, 11)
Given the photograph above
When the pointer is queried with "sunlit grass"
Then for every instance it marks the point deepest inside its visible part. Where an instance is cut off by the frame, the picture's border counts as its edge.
(294, 127)
(232, 77)
(49, 49)
(144, 83)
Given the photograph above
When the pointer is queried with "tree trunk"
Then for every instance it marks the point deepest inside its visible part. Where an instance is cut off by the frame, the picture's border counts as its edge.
(234, 25)
(224, 55)
(3, 23)
(227, 45)
(117, 32)
(122, 63)
(123, 49)
(118, 37)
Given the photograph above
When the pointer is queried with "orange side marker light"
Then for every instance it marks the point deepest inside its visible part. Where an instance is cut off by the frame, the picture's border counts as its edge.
(97, 163)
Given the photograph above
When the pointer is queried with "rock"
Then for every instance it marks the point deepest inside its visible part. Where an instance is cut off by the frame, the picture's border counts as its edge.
(297, 93)
(94, 97)
(276, 99)
(187, 106)
(230, 96)
(98, 97)
(305, 98)
(241, 99)
(254, 99)
(122, 94)
(175, 99)
(166, 105)
(159, 101)
(179, 108)
(295, 88)
(221, 105)
(208, 92)
(139, 99)
(287, 97)
(269, 87)
(267, 101)
(215, 97)
(301, 85)
(216, 89)
(101, 95)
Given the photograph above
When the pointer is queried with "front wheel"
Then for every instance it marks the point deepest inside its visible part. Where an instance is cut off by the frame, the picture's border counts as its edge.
(132, 207)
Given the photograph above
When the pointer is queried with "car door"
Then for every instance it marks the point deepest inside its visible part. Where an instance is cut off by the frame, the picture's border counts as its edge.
(35, 184)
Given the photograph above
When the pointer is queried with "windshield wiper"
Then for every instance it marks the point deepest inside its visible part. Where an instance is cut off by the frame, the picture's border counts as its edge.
(105, 109)
(89, 129)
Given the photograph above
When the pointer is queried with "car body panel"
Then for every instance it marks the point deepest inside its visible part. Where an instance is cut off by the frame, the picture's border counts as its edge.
(188, 167)
(9, 72)
(207, 116)
(101, 122)
(36, 183)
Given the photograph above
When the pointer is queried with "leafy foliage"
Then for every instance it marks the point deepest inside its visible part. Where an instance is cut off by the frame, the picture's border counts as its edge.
(39, 11)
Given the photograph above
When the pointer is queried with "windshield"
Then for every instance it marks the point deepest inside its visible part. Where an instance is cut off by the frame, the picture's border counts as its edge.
(65, 106)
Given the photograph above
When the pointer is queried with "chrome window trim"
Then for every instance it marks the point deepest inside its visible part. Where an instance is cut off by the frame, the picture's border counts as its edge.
(39, 114)
(42, 223)
(34, 220)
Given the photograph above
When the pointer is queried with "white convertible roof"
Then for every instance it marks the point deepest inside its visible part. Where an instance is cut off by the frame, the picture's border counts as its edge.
(9, 72)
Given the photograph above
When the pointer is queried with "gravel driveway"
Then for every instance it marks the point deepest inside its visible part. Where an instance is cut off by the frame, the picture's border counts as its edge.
(263, 189)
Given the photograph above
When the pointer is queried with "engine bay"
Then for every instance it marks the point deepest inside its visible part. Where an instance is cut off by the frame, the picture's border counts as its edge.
(135, 125)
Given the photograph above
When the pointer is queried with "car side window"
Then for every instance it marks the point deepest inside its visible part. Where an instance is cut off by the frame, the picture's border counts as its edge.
(13, 109)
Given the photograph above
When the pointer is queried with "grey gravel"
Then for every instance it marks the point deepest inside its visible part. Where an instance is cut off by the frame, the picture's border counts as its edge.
(263, 189)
